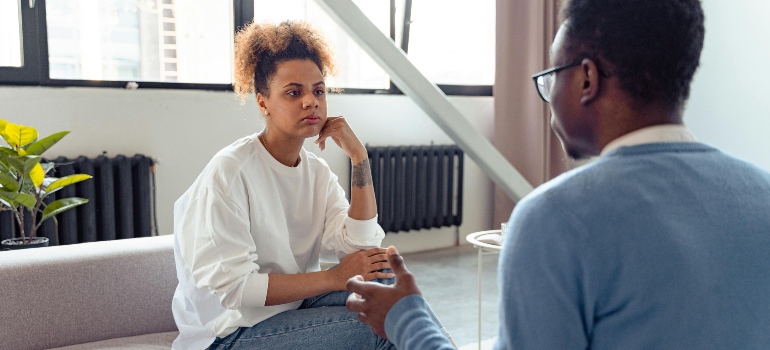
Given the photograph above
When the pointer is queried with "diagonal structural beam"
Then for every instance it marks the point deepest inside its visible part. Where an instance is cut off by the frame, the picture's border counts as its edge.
(427, 95)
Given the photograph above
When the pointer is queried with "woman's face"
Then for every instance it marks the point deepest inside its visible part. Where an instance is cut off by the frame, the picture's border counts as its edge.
(296, 105)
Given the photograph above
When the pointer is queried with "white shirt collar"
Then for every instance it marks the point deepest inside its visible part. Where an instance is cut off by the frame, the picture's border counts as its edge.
(651, 134)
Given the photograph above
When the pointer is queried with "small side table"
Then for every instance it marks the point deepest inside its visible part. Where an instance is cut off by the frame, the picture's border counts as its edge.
(484, 249)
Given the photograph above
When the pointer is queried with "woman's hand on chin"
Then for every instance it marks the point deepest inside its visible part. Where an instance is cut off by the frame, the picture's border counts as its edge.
(365, 263)
(338, 129)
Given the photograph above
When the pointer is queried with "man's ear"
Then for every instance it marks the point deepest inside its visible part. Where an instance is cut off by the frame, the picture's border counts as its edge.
(591, 82)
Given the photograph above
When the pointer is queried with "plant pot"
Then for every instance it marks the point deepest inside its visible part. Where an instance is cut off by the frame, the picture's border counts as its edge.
(15, 243)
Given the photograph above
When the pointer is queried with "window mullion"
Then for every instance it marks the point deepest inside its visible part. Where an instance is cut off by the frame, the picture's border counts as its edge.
(393, 20)
(30, 71)
(407, 25)
(243, 13)
(44, 76)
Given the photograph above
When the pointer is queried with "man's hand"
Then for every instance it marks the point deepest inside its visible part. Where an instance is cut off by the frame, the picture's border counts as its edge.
(372, 301)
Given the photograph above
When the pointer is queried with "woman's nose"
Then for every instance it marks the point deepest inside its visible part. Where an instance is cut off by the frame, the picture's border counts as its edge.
(309, 102)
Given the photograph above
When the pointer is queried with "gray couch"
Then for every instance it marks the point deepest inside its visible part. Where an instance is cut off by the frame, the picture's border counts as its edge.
(101, 295)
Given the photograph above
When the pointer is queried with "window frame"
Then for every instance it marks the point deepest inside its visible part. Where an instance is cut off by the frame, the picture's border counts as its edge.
(36, 71)
(30, 71)
(448, 89)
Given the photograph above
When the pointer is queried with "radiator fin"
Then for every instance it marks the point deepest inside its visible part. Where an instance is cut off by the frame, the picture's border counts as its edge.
(417, 187)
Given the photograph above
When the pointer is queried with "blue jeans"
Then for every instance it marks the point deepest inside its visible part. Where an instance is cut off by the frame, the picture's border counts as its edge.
(321, 322)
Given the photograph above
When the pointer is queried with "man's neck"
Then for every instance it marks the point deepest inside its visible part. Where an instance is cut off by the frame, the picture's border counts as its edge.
(625, 120)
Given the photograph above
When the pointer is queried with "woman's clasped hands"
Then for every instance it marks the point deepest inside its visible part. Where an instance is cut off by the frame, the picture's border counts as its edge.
(365, 263)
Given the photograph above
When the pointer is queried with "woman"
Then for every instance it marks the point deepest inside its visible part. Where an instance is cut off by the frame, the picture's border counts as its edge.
(251, 230)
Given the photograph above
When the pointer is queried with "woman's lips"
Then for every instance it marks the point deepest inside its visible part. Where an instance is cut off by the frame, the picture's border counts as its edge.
(312, 119)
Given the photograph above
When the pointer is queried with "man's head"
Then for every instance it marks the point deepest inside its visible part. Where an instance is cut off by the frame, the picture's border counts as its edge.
(637, 60)
(652, 46)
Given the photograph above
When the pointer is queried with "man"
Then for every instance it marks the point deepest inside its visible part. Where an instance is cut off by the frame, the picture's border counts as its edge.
(660, 243)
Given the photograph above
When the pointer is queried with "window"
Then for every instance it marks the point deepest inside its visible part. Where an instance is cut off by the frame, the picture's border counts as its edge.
(10, 33)
(186, 41)
(189, 43)
(358, 70)
(455, 45)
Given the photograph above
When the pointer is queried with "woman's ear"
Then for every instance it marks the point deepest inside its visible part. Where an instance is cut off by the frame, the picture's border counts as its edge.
(591, 81)
(262, 105)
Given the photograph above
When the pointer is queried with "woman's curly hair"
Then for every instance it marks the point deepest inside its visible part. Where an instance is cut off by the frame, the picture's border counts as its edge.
(260, 47)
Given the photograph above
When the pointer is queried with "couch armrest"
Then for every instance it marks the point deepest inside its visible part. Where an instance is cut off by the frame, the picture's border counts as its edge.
(64, 295)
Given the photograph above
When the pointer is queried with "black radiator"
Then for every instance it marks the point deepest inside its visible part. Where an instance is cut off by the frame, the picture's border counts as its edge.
(121, 201)
(417, 187)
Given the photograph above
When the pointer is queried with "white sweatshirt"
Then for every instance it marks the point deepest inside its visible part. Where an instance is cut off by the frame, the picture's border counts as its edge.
(247, 216)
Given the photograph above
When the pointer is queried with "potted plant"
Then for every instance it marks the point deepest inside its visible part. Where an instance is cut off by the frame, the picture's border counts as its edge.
(24, 183)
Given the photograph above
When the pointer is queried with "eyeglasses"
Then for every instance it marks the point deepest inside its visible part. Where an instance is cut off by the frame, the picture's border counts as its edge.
(544, 79)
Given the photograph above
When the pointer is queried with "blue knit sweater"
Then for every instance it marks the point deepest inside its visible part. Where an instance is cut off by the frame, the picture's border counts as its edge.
(656, 246)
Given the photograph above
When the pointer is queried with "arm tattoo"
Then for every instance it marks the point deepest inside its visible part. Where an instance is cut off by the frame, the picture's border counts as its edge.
(362, 174)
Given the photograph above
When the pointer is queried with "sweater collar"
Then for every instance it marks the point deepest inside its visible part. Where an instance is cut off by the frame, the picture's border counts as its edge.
(651, 134)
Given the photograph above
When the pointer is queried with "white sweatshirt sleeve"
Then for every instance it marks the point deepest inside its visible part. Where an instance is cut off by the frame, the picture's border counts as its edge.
(342, 234)
(217, 248)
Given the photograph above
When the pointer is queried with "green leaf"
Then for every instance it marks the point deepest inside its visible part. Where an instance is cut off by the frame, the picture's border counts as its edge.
(16, 163)
(43, 145)
(4, 165)
(9, 182)
(66, 181)
(29, 169)
(24, 199)
(27, 187)
(61, 205)
(28, 163)
(8, 151)
(9, 204)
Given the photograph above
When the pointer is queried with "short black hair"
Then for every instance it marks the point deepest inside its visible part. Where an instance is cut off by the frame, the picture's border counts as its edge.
(652, 46)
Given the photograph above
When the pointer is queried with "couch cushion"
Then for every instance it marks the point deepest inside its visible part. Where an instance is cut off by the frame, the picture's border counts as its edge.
(141, 342)
(87, 292)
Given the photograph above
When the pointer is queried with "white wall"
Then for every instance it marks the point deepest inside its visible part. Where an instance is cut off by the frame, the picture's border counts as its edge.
(729, 106)
(183, 129)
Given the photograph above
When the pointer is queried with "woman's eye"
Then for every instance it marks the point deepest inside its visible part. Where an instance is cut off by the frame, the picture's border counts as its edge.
(293, 93)
(320, 92)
